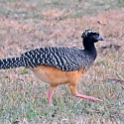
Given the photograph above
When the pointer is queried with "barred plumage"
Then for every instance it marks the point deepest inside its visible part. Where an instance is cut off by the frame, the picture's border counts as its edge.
(62, 58)
(66, 59)
(7, 63)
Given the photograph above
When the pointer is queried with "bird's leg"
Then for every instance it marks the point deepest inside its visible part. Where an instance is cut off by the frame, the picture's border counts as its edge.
(50, 93)
(73, 89)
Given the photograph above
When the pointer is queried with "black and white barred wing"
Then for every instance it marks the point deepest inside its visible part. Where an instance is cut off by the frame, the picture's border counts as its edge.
(63, 58)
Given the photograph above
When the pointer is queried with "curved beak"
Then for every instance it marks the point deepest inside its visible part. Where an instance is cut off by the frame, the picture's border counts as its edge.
(100, 38)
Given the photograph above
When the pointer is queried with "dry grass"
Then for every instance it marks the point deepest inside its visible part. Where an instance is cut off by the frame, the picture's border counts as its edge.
(23, 98)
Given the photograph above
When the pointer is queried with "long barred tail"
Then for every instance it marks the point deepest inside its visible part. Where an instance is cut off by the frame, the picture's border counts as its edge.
(7, 63)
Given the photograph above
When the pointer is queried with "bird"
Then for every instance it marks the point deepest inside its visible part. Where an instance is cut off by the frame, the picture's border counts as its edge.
(59, 65)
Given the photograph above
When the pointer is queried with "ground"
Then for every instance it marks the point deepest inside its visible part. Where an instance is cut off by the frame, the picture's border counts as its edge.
(26, 25)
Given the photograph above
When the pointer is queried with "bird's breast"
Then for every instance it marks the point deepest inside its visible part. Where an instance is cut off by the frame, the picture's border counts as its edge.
(56, 76)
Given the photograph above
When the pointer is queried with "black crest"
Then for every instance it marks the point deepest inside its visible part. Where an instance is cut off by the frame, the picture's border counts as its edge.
(88, 33)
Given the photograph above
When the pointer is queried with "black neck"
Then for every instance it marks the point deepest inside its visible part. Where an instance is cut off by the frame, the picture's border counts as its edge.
(90, 47)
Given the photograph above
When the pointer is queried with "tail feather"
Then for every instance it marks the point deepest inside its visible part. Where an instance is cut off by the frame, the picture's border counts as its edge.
(7, 63)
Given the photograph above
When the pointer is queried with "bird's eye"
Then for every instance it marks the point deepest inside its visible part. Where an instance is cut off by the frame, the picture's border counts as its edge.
(95, 36)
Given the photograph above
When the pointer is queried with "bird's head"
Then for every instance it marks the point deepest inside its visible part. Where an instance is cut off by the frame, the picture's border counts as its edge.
(91, 36)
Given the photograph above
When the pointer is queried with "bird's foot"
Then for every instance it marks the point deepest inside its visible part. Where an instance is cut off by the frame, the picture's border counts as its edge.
(88, 97)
